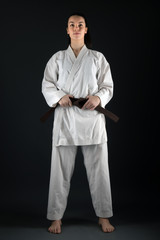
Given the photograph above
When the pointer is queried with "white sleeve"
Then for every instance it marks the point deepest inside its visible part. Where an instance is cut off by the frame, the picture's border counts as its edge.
(105, 82)
(51, 94)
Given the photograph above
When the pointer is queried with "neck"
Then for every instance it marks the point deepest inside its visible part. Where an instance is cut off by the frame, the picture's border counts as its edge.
(76, 46)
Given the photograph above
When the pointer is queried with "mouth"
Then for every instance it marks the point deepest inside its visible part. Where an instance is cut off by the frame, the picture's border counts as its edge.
(76, 33)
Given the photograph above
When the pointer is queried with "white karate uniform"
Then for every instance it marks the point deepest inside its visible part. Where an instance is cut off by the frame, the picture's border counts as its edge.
(87, 74)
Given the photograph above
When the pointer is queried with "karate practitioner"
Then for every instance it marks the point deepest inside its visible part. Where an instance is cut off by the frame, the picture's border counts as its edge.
(78, 72)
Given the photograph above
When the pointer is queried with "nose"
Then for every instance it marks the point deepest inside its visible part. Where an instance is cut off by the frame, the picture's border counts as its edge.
(76, 28)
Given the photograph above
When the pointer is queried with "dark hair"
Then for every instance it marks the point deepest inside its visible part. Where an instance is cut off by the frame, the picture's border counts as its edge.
(87, 37)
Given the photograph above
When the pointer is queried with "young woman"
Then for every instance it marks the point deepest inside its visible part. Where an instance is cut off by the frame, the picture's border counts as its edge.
(78, 72)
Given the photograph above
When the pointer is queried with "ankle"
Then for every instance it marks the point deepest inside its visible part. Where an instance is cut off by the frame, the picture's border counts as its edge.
(58, 221)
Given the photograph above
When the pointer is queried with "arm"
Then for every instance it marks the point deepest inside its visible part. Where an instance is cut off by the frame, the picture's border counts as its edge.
(105, 86)
(105, 82)
(51, 94)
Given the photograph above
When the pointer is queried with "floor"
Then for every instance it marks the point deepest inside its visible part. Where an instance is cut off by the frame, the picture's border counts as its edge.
(80, 228)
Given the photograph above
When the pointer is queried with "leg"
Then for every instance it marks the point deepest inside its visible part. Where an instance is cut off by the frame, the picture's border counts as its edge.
(62, 166)
(96, 163)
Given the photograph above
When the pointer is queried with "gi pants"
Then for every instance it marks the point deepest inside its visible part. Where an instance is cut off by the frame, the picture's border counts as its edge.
(62, 166)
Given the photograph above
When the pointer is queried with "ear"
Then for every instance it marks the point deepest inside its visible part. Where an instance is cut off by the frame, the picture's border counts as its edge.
(86, 29)
(67, 30)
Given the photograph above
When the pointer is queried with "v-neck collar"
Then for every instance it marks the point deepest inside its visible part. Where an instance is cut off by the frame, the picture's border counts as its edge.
(71, 52)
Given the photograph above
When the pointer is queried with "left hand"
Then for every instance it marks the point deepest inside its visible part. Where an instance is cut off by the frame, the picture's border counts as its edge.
(92, 103)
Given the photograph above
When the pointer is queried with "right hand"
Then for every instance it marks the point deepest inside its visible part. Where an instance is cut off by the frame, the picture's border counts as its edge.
(65, 101)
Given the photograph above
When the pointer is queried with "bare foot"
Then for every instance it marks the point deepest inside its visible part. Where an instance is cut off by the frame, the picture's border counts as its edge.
(55, 227)
(105, 224)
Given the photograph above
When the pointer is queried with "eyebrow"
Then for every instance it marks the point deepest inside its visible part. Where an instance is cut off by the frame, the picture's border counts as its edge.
(78, 22)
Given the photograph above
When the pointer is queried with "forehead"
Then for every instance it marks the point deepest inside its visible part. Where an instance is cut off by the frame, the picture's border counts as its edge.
(76, 19)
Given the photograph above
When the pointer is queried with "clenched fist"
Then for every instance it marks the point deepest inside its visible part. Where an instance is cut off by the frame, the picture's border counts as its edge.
(65, 101)
(92, 103)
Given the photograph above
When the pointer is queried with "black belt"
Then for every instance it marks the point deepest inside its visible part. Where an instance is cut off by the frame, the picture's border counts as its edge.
(79, 102)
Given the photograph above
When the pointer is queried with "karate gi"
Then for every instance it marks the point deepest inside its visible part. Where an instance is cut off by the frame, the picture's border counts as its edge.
(87, 74)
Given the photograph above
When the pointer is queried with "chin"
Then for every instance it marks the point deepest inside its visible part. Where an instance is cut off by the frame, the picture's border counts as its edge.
(77, 37)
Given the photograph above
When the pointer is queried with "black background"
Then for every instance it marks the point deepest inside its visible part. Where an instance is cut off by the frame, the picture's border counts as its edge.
(126, 33)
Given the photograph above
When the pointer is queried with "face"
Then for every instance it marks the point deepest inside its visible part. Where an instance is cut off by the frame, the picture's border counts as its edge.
(76, 27)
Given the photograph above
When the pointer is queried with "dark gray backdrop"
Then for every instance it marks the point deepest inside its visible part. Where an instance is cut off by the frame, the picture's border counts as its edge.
(127, 34)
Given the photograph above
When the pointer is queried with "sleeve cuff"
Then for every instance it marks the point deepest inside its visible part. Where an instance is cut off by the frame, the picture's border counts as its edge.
(58, 96)
(99, 95)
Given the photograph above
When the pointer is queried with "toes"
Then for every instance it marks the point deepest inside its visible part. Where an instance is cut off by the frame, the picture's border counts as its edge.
(55, 228)
(107, 229)
(110, 229)
(104, 229)
(49, 229)
(58, 230)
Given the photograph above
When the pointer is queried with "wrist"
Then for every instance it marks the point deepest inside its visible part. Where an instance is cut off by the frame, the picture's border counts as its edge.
(99, 99)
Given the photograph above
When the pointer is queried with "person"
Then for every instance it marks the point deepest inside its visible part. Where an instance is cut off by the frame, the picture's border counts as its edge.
(78, 72)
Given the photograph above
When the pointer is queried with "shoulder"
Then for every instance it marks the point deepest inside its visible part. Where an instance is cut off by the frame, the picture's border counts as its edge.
(98, 56)
(58, 55)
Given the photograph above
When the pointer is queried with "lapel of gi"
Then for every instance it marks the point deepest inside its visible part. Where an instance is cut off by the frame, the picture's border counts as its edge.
(76, 62)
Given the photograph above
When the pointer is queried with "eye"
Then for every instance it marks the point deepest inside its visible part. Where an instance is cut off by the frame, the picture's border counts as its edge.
(71, 25)
(80, 25)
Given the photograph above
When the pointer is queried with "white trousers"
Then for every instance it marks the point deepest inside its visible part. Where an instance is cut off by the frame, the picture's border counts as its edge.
(62, 166)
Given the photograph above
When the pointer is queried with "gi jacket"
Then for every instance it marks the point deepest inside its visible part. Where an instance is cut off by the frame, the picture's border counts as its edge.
(87, 74)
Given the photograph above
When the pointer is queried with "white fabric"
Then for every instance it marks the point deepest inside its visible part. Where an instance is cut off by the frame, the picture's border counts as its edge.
(62, 166)
(88, 74)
